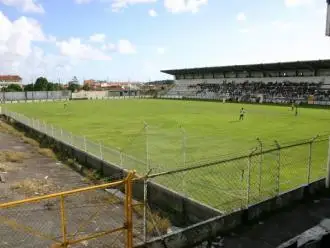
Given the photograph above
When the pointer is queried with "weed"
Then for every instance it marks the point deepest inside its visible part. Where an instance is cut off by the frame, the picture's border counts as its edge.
(12, 156)
(47, 152)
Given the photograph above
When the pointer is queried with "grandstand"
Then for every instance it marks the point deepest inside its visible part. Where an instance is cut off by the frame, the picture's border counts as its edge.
(301, 82)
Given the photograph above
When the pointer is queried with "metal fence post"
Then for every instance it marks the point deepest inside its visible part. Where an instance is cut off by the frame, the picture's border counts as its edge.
(183, 131)
(45, 127)
(248, 188)
(260, 165)
(63, 222)
(328, 168)
(310, 160)
(248, 182)
(278, 186)
(147, 145)
(71, 136)
(85, 144)
(129, 210)
(61, 133)
(145, 205)
(101, 151)
(121, 158)
(145, 188)
(53, 130)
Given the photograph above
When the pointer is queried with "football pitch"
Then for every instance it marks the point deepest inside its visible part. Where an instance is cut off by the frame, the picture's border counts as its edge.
(180, 133)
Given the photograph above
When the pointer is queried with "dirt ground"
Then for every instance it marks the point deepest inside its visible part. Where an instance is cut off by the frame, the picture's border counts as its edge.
(26, 171)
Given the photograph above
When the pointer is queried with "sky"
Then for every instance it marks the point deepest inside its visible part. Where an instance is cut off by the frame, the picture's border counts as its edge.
(133, 40)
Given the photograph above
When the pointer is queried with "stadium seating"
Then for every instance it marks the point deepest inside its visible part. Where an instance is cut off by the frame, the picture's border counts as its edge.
(278, 90)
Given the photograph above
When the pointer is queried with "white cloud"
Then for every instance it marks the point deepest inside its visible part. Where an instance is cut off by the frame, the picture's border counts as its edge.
(282, 25)
(244, 30)
(179, 6)
(19, 55)
(294, 3)
(82, 1)
(108, 47)
(98, 38)
(16, 37)
(126, 47)
(152, 13)
(75, 49)
(28, 6)
(117, 5)
(51, 38)
(241, 16)
(161, 50)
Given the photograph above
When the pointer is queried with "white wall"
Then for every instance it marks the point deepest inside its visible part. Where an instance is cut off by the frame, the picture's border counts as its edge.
(90, 94)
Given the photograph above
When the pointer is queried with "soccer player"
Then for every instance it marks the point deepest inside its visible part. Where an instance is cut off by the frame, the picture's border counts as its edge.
(242, 114)
(65, 105)
(292, 106)
(296, 112)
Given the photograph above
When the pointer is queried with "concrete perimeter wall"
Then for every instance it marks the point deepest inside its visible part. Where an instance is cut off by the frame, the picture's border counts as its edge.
(180, 210)
(34, 96)
(221, 225)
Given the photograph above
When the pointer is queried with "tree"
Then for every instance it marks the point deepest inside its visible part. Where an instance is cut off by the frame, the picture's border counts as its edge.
(54, 86)
(73, 87)
(41, 84)
(86, 87)
(28, 87)
(13, 88)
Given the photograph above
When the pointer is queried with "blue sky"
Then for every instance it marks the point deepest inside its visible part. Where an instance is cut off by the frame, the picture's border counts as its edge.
(134, 39)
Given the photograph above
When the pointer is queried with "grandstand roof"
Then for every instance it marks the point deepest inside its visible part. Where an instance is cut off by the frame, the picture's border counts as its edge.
(309, 65)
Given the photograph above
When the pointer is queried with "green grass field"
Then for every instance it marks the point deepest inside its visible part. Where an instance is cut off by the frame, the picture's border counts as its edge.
(202, 131)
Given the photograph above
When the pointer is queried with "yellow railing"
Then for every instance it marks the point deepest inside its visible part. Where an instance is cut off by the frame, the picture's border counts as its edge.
(66, 239)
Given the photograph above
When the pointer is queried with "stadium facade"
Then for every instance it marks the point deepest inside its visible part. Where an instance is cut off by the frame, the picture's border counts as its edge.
(303, 81)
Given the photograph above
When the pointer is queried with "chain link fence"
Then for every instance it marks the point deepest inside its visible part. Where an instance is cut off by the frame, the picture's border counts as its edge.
(238, 182)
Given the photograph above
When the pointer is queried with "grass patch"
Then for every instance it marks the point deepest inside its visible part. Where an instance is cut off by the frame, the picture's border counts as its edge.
(6, 168)
(6, 128)
(47, 152)
(30, 141)
(93, 175)
(211, 132)
(12, 156)
(33, 186)
(155, 223)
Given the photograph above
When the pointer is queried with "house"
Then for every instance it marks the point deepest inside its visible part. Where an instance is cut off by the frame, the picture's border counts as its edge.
(6, 80)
